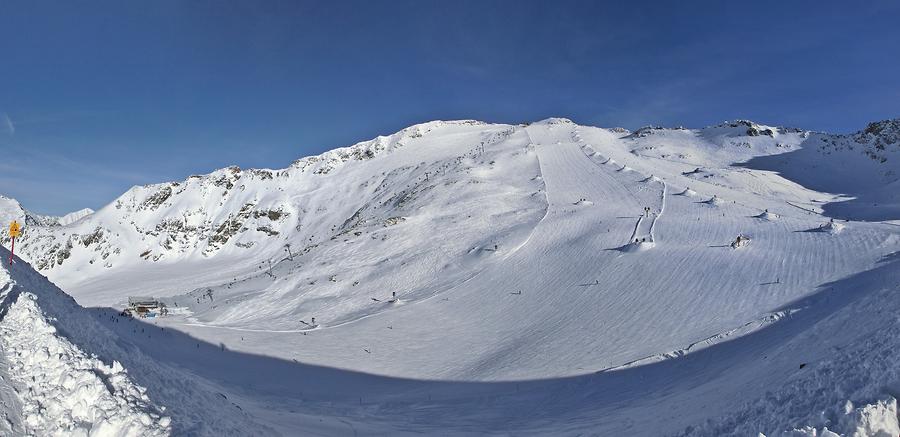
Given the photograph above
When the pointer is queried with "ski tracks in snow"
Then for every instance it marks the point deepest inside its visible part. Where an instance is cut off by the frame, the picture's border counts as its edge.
(662, 209)
(646, 223)
(643, 229)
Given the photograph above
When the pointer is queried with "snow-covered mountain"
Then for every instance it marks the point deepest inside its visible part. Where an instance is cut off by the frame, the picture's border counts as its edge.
(74, 216)
(483, 269)
(10, 210)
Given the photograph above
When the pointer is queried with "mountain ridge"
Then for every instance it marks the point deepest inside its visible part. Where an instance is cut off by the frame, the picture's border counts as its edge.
(878, 140)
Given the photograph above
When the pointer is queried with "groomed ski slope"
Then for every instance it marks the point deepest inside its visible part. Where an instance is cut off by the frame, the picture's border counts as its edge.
(590, 299)
(798, 377)
(567, 326)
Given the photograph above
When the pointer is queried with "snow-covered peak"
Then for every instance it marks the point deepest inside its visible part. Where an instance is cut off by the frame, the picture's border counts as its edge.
(74, 216)
(742, 128)
(553, 121)
(883, 135)
(365, 150)
(649, 130)
(878, 142)
(11, 209)
(728, 129)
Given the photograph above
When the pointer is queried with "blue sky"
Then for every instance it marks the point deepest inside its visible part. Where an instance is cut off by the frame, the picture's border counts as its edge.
(98, 96)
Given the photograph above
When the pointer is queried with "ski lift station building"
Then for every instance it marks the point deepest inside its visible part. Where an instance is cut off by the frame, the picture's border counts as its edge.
(145, 306)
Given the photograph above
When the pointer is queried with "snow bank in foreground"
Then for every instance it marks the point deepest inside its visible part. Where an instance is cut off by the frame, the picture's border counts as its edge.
(850, 390)
(67, 371)
(66, 392)
(878, 419)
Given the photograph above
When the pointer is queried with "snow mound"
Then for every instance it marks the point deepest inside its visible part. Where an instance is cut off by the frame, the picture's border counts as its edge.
(639, 246)
(832, 227)
(692, 172)
(66, 391)
(69, 374)
(766, 215)
(584, 202)
(741, 241)
(878, 419)
(713, 201)
(687, 192)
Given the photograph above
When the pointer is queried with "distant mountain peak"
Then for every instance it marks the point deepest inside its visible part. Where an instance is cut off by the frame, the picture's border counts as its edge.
(74, 216)
(882, 134)
(648, 130)
(554, 120)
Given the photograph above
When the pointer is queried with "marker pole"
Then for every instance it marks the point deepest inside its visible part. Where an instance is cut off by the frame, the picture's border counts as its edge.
(12, 249)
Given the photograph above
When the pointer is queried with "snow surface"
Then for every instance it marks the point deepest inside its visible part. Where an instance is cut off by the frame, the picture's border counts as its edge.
(550, 278)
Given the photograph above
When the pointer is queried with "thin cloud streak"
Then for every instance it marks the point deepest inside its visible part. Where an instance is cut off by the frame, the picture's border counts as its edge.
(10, 126)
